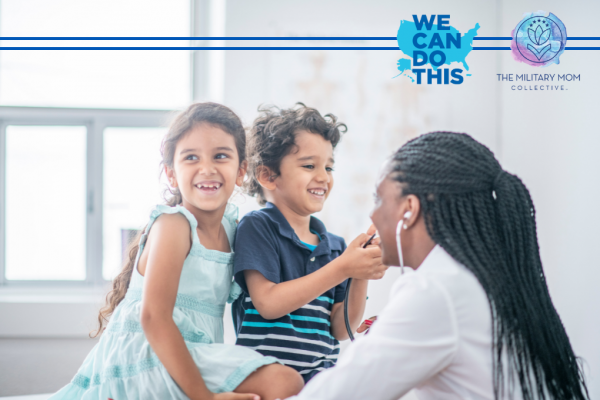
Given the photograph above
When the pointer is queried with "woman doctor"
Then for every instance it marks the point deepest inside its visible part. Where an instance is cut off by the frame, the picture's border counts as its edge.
(470, 317)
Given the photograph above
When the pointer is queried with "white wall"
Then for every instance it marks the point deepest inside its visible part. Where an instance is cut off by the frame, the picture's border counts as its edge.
(44, 336)
(551, 141)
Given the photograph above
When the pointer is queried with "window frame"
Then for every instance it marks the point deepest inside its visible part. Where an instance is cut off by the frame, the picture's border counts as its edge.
(95, 121)
(206, 84)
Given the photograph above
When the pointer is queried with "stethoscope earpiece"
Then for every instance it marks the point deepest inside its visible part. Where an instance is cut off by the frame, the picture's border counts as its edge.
(399, 227)
(407, 215)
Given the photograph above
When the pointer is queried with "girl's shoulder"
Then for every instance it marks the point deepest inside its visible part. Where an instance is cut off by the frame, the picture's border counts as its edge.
(175, 212)
(172, 222)
(176, 220)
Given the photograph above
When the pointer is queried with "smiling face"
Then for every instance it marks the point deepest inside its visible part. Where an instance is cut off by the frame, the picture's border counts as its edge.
(206, 168)
(305, 178)
(385, 216)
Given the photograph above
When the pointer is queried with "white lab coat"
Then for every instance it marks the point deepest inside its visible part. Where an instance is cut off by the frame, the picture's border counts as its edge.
(434, 336)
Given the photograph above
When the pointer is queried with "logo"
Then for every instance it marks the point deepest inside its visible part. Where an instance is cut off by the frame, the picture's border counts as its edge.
(539, 40)
(428, 47)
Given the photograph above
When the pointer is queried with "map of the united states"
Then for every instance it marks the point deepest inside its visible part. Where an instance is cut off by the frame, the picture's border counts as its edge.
(429, 43)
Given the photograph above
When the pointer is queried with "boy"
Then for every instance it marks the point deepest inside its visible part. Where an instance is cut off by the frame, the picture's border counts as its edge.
(293, 272)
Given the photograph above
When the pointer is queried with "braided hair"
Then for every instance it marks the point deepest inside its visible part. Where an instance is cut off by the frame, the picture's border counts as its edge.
(484, 218)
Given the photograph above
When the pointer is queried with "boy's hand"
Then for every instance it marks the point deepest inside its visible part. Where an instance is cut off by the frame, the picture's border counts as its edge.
(363, 263)
(363, 327)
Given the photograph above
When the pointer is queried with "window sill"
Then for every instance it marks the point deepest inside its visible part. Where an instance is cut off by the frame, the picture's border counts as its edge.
(53, 294)
(49, 312)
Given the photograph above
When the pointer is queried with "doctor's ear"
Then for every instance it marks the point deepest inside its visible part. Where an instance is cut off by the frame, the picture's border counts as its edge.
(266, 177)
(412, 208)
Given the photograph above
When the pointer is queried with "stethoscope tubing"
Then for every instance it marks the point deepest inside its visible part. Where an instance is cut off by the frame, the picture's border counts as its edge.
(346, 319)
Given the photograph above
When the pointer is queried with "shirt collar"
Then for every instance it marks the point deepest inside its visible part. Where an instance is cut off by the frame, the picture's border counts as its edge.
(285, 229)
(438, 259)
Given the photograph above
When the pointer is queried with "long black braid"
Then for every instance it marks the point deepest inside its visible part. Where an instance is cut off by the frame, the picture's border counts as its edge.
(484, 218)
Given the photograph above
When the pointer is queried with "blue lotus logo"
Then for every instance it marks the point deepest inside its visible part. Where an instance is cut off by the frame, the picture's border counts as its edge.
(539, 37)
(539, 40)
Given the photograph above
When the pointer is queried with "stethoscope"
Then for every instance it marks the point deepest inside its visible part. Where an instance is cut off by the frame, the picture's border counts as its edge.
(399, 227)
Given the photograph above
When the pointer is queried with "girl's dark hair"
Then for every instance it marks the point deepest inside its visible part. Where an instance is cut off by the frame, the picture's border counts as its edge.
(273, 135)
(200, 113)
(484, 218)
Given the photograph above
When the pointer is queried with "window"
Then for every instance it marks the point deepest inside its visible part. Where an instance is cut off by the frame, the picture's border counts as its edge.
(73, 172)
(45, 186)
(80, 131)
(95, 78)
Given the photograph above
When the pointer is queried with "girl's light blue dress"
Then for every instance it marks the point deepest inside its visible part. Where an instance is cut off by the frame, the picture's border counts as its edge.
(123, 365)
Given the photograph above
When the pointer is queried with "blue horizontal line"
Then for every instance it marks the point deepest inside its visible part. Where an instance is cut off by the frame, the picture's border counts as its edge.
(246, 48)
(283, 325)
(198, 48)
(293, 316)
(223, 48)
(219, 38)
(196, 38)
(244, 38)
(510, 38)
(325, 298)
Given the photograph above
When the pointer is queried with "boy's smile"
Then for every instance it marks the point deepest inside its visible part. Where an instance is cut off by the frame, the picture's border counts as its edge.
(305, 178)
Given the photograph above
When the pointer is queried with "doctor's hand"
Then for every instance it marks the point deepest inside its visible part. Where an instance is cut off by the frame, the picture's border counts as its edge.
(363, 263)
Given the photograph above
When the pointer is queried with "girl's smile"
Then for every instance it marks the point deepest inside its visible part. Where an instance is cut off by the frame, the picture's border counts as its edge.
(209, 187)
(206, 168)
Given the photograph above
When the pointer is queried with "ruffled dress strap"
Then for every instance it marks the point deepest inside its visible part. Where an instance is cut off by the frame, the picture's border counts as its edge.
(164, 209)
(230, 219)
(229, 223)
(156, 212)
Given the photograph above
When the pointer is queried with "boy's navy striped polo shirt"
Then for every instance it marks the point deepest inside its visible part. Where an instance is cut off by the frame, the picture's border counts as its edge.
(302, 339)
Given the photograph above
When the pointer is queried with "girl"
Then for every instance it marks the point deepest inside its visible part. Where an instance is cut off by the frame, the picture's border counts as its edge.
(471, 318)
(164, 339)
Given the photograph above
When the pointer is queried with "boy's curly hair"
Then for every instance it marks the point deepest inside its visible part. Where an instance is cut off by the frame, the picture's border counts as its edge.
(273, 135)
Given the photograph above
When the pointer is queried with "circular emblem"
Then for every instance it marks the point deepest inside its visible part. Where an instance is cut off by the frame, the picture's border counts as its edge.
(539, 40)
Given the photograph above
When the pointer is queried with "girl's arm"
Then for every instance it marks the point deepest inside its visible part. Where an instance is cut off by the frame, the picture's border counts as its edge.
(274, 300)
(167, 246)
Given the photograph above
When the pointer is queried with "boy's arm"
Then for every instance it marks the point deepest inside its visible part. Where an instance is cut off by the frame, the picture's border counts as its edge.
(274, 300)
(357, 300)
